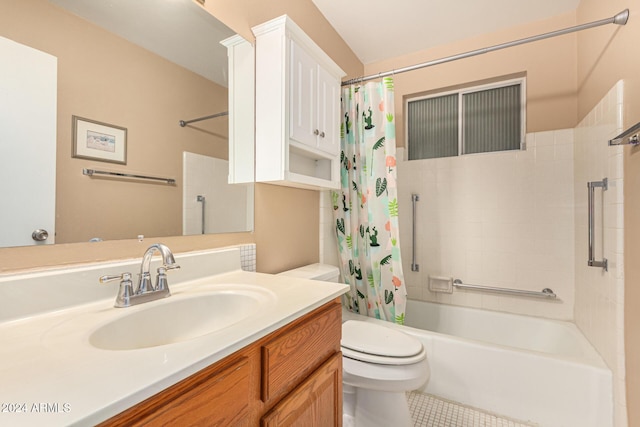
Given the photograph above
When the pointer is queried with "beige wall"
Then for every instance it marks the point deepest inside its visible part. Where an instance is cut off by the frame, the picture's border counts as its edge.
(550, 67)
(240, 16)
(286, 219)
(606, 55)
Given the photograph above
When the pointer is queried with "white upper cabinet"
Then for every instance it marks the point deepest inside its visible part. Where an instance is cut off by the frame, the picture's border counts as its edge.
(241, 109)
(297, 108)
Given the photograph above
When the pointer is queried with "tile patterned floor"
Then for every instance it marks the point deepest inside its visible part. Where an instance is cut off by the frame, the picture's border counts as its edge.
(431, 411)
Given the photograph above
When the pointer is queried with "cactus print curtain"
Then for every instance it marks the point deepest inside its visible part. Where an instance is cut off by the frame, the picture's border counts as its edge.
(366, 206)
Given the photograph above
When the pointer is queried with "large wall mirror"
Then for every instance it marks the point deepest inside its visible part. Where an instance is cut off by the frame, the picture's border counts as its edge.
(125, 74)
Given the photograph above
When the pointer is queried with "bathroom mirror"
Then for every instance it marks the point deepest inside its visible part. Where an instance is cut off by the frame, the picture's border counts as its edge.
(133, 69)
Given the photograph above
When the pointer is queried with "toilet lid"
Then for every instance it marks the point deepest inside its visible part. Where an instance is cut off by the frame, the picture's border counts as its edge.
(374, 343)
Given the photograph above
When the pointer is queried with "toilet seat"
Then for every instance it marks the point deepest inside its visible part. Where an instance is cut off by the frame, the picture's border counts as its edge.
(368, 342)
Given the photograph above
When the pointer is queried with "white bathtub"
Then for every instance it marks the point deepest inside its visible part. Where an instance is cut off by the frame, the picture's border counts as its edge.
(527, 368)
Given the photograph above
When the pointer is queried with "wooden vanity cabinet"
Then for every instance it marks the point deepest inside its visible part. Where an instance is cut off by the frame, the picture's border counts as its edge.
(292, 376)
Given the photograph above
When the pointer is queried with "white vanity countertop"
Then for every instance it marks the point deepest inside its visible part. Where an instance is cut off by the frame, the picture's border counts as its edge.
(51, 375)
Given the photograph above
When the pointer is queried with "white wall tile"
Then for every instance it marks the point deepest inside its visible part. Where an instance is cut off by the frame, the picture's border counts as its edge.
(207, 176)
(597, 310)
(328, 244)
(489, 213)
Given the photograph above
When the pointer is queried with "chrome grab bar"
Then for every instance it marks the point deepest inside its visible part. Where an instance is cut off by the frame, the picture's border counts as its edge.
(202, 199)
(414, 267)
(545, 293)
(591, 186)
(630, 136)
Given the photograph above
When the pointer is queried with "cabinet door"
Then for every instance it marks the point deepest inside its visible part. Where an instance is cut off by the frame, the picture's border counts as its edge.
(328, 112)
(315, 402)
(303, 97)
(212, 397)
(290, 357)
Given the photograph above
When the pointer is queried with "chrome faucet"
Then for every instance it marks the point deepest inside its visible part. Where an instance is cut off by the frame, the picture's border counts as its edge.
(144, 278)
(144, 291)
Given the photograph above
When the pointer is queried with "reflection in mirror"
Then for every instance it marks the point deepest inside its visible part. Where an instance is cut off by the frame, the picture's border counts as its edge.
(142, 66)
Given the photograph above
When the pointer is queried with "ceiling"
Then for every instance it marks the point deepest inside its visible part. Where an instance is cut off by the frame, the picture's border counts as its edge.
(177, 30)
(373, 29)
(380, 29)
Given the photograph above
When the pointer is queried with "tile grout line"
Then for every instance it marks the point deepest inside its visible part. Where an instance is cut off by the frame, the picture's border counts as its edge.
(432, 411)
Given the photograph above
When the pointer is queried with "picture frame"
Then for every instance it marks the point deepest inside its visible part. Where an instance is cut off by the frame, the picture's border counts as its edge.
(99, 141)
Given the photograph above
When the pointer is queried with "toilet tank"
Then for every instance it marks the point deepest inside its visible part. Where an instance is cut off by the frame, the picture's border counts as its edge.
(325, 272)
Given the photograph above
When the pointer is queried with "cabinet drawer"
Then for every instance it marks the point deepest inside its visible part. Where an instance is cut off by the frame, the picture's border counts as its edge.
(292, 356)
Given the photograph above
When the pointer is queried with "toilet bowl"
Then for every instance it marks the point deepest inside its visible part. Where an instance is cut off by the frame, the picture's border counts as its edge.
(379, 365)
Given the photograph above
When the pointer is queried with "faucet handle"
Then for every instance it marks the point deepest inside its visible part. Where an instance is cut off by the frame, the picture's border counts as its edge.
(111, 278)
(161, 277)
(126, 288)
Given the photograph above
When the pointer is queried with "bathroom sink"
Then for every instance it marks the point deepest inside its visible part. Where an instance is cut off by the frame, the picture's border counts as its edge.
(179, 318)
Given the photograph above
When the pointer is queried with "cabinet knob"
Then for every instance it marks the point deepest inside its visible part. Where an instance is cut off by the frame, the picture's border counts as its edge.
(321, 134)
(316, 132)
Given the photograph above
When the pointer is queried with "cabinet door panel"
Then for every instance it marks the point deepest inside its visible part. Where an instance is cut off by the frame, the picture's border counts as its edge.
(290, 357)
(315, 402)
(303, 110)
(328, 112)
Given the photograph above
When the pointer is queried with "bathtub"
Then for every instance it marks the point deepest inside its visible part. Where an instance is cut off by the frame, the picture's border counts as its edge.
(528, 368)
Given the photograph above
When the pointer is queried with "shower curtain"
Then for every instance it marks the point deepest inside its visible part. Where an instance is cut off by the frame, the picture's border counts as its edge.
(366, 206)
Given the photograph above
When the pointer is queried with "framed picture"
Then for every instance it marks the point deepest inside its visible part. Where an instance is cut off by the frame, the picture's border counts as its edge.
(99, 141)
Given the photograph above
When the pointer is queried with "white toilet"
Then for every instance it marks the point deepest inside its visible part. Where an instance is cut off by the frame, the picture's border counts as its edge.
(380, 364)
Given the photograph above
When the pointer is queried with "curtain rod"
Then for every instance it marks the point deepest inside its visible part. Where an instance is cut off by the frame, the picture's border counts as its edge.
(183, 123)
(619, 19)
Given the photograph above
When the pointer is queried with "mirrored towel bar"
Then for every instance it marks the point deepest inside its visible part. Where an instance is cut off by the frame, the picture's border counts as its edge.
(92, 172)
(545, 293)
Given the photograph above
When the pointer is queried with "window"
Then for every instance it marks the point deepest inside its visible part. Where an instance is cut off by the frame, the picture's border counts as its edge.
(473, 120)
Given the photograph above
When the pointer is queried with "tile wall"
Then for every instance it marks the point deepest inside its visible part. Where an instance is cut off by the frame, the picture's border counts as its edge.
(207, 176)
(599, 295)
(328, 245)
(248, 257)
(502, 219)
